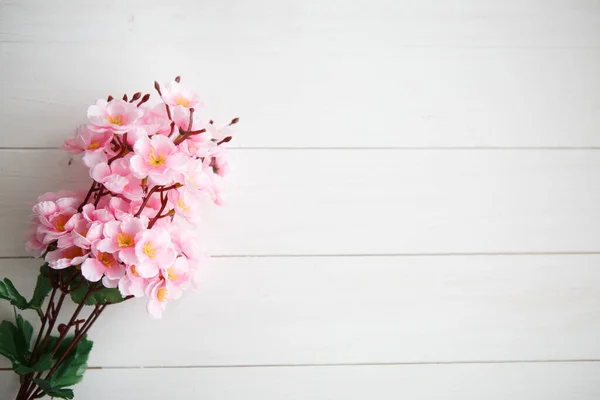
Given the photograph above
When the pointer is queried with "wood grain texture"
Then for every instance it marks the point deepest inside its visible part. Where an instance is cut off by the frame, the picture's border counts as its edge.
(427, 22)
(353, 95)
(365, 201)
(347, 310)
(376, 234)
(573, 381)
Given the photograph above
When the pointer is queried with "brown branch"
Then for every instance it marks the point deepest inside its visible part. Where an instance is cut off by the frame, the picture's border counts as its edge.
(124, 149)
(183, 137)
(76, 339)
(144, 99)
(53, 318)
(157, 87)
(87, 197)
(146, 199)
(164, 201)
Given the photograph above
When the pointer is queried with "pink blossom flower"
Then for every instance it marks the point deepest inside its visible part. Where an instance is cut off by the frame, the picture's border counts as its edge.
(219, 165)
(114, 182)
(64, 258)
(159, 295)
(118, 178)
(61, 194)
(53, 217)
(158, 159)
(120, 238)
(185, 242)
(116, 115)
(186, 203)
(153, 251)
(181, 118)
(175, 94)
(93, 158)
(176, 277)
(169, 287)
(102, 263)
(119, 208)
(197, 176)
(35, 238)
(155, 120)
(198, 146)
(134, 134)
(83, 233)
(93, 214)
(219, 132)
(132, 284)
(85, 139)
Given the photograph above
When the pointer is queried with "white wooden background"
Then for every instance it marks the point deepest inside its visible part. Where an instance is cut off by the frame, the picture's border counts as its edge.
(415, 210)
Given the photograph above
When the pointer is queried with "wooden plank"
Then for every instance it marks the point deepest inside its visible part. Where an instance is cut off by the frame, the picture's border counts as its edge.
(347, 310)
(427, 22)
(353, 94)
(364, 201)
(574, 381)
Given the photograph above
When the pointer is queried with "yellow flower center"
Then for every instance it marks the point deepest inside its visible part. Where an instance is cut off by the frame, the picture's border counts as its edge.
(182, 101)
(107, 259)
(183, 206)
(115, 119)
(156, 161)
(94, 145)
(125, 240)
(134, 271)
(60, 222)
(161, 294)
(149, 249)
(172, 274)
(73, 252)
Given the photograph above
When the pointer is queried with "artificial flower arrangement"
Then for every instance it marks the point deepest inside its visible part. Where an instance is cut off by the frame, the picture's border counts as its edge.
(153, 169)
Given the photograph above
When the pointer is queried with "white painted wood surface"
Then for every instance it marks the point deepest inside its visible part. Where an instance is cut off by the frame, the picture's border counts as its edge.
(348, 310)
(416, 182)
(332, 73)
(366, 201)
(551, 381)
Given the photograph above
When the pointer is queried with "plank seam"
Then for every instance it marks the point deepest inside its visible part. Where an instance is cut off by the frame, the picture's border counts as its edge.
(383, 364)
(366, 255)
(410, 46)
(394, 148)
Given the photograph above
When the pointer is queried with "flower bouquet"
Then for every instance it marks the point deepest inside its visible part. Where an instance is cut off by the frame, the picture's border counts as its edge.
(153, 169)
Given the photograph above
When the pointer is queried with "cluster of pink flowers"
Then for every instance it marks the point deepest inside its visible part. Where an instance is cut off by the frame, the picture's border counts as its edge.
(153, 168)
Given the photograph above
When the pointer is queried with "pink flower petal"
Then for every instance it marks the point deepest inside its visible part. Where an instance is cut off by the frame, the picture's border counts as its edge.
(92, 269)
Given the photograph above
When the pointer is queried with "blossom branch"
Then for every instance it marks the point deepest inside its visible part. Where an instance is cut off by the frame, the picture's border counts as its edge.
(89, 247)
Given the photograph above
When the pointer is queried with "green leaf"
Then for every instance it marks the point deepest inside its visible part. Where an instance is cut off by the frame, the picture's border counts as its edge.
(14, 343)
(43, 384)
(53, 391)
(14, 340)
(21, 369)
(80, 290)
(71, 371)
(8, 349)
(25, 331)
(102, 296)
(107, 295)
(61, 393)
(64, 346)
(43, 364)
(42, 288)
(10, 293)
(52, 340)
